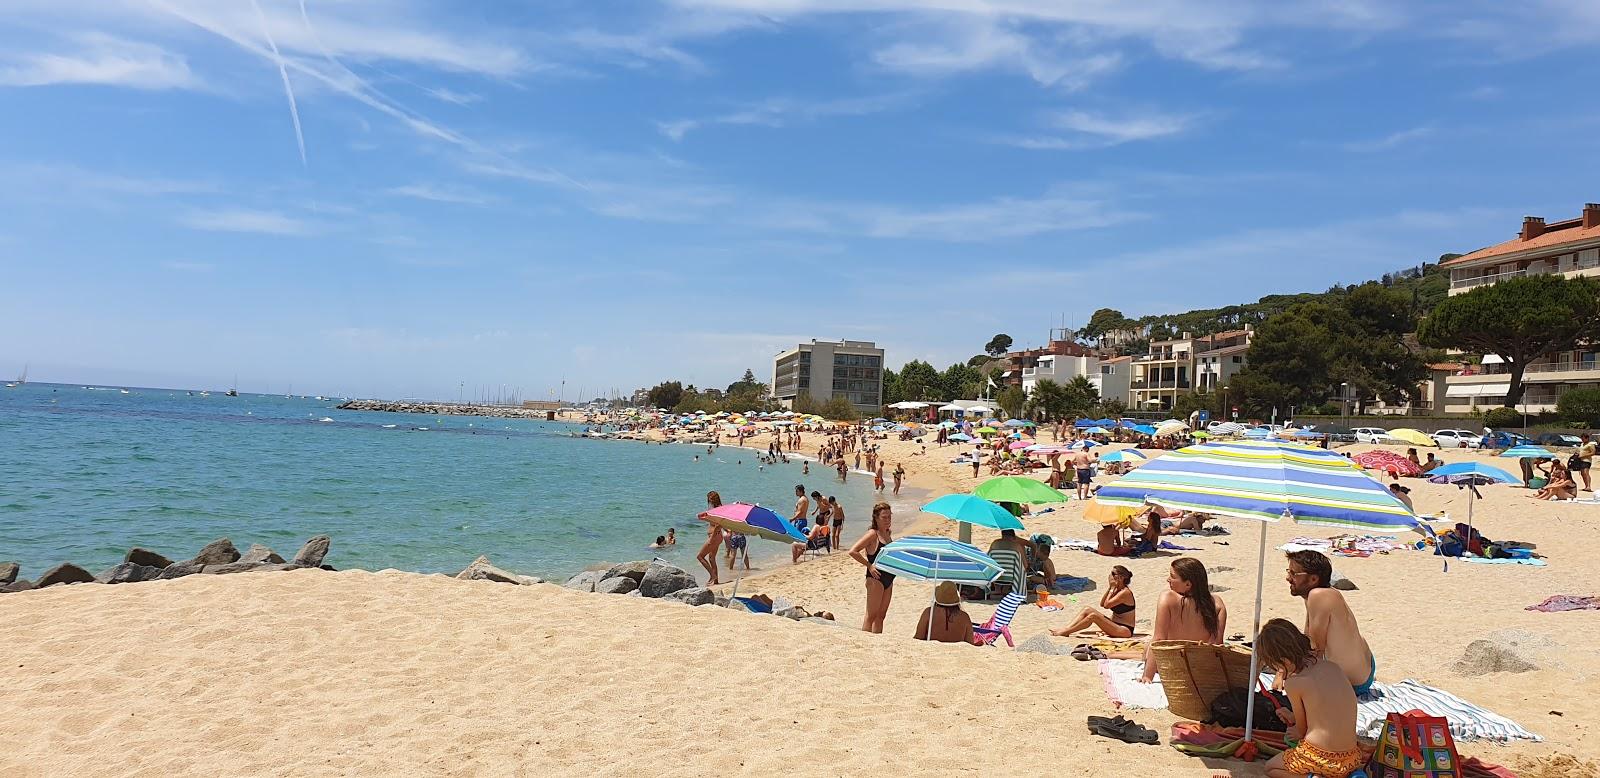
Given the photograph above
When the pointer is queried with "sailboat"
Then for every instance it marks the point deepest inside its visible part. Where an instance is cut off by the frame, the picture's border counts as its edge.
(20, 379)
(234, 392)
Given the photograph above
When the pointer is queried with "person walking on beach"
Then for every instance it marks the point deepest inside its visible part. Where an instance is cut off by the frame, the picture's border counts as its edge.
(1082, 464)
(844, 470)
(899, 475)
(877, 478)
(880, 585)
(1322, 710)
(1330, 624)
(714, 536)
(1581, 461)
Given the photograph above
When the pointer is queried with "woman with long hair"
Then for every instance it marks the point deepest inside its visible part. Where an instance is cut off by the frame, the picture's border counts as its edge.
(1187, 610)
(714, 536)
(880, 585)
(1118, 599)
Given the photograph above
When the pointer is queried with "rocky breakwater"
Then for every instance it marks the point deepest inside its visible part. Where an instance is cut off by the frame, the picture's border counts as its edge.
(219, 557)
(443, 409)
(656, 579)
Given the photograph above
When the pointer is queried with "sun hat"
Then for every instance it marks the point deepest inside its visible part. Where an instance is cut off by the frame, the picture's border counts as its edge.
(945, 594)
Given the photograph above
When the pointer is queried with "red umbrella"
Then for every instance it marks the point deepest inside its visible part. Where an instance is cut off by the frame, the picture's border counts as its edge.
(1388, 462)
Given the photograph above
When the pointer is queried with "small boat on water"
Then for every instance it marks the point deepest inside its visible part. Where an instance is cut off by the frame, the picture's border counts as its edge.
(124, 391)
(22, 379)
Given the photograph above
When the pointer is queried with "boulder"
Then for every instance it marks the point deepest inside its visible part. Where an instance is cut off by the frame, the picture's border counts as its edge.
(1038, 644)
(662, 579)
(247, 567)
(144, 556)
(217, 552)
(482, 570)
(129, 572)
(259, 553)
(620, 585)
(584, 581)
(181, 569)
(19, 585)
(698, 595)
(820, 620)
(64, 573)
(1490, 656)
(1342, 583)
(634, 570)
(311, 554)
(634, 593)
(8, 572)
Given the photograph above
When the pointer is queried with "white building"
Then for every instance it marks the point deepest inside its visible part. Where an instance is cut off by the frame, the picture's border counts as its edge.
(825, 369)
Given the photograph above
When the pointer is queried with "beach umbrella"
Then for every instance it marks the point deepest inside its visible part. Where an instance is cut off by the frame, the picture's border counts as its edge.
(960, 436)
(1018, 489)
(951, 407)
(1200, 435)
(1077, 445)
(1414, 437)
(879, 420)
(1228, 428)
(1256, 433)
(1084, 423)
(947, 424)
(1097, 431)
(987, 430)
(1124, 455)
(1387, 461)
(1265, 481)
(1106, 422)
(1526, 451)
(1017, 445)
(926, 558)
(1015, 423)
(1144, 429)
(1103, 514)
(748, 519)
(971, 509)
(1470, 476)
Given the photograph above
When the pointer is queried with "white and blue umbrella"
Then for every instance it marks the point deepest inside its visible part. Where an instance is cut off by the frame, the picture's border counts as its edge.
(1263, 480)
(1470, 476)
(1124, 455)
(973, 510)
(928, 558)
(1097, 431)
(1526, 451)
(1082, 444)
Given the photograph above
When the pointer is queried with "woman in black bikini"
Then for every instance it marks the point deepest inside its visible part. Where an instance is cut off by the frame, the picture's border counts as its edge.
(1118, 599)
(880, 585)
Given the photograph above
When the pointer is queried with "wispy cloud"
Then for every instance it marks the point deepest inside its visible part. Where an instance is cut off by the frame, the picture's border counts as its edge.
(1389, 141)
(246, 220)
(96, 58)
(1087, 130)
(451, 96)
(440, 194)
(781, 111)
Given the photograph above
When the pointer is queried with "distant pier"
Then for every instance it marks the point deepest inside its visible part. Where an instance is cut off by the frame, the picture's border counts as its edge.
(529, 410)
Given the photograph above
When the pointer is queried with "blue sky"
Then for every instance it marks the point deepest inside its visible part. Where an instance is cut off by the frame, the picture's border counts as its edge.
(612, 193)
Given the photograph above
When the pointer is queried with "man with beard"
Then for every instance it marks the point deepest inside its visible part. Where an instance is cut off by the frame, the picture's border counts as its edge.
(1331, 626)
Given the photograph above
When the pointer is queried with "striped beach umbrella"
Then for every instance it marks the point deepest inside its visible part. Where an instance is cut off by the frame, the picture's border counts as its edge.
(1124, 455)
(1263, 480)
(1527, 451)
(929, 558)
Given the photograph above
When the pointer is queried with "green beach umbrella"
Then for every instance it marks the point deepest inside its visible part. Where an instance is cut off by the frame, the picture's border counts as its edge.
(1018, 489)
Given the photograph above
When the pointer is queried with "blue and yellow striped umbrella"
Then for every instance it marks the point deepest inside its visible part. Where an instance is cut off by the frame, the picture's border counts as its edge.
(928, 558)
(1263, 480)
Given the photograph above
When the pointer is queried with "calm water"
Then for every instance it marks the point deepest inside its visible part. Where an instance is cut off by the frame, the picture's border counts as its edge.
(87, 473)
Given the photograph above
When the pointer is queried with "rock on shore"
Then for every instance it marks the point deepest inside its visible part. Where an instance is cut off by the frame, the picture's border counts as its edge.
(219, 557)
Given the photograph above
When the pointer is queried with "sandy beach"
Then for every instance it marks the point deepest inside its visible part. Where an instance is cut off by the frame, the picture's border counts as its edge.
(372, 673)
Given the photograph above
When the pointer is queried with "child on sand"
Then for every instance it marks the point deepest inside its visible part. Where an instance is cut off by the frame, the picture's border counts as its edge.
(1322, 714)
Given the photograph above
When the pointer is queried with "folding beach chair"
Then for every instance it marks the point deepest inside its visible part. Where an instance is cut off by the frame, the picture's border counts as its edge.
(1016, 570)
(999, 625)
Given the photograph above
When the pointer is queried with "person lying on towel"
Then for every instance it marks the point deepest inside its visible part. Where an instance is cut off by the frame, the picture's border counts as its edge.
(1322, 708)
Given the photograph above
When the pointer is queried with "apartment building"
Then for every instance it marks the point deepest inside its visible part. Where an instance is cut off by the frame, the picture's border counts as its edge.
(1062, 361)
(1570, 248)
(825, 369)
(1186, 364)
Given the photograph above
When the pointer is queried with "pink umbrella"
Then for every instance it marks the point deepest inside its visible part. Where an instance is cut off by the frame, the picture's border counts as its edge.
(1019, 444)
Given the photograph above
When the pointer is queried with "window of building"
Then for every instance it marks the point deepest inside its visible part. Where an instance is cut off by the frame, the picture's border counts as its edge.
(1238, 360)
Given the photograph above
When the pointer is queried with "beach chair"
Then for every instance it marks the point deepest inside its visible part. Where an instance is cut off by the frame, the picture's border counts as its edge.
(1016, 570)
(999, 625)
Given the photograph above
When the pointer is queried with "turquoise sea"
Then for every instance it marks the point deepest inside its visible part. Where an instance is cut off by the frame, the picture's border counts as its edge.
(85, 473)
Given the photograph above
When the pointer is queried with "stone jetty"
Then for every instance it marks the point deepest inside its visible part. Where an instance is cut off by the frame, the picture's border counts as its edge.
(219, 557)
(445, 409)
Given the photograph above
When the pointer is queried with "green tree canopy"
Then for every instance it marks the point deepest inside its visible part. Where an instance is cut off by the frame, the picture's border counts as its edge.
(1580, 406)
(747, 385)
(666, 394)
(998, 345)
(1104, 321)
(1520, 320)
(960, 381)
(1012, 400)
(919, 381)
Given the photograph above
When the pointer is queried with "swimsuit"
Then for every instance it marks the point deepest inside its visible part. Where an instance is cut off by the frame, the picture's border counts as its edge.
(887, 579)
(1309, 759)
(736, 541)
(1372, 676)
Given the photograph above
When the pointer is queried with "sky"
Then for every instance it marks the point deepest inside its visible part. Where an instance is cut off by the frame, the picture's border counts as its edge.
(421, 198)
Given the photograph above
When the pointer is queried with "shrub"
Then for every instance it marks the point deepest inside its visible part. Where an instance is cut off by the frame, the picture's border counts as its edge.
(1580, 405)
(1500, 418)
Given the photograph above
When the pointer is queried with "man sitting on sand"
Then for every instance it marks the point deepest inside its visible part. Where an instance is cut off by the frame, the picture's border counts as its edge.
(1322, 709)
(1330, 625)
(950, 624)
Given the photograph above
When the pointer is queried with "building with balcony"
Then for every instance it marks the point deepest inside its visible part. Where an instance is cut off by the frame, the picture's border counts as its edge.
(1186, 364)
(1063, 360)
(825, 369)
(1570, 248)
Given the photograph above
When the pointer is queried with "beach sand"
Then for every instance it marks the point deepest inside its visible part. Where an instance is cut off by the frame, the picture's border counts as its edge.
(349, 673)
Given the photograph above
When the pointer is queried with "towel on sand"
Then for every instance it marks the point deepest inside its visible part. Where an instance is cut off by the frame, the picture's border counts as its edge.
(1070, 584)
(1530, 561)
(1121, 680)
(1566, 602)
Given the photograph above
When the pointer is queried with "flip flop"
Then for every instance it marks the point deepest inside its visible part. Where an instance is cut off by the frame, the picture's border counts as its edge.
(1124, 730)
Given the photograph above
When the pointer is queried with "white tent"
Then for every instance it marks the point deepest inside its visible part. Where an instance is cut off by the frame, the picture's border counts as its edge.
(951, 407)
(909, 405)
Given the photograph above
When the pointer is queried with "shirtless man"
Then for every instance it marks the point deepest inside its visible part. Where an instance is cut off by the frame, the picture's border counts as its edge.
(1330, 625)
(802, 506)
(1081, 463)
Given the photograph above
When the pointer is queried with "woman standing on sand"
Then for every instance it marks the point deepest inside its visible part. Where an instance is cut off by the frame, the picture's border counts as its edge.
(1186, 611)
(880, 585)
(899, 474)
(714, 535)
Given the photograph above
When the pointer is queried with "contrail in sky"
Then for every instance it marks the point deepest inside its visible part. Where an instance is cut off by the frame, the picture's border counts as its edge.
(294, 112)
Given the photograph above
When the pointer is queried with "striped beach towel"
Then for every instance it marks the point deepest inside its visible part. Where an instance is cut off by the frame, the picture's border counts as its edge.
(1467, 721)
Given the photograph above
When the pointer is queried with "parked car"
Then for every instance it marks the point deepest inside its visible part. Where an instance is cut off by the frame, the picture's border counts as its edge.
(1457, 438)
(1558, 439)
(1501, 439)
(1372, 435)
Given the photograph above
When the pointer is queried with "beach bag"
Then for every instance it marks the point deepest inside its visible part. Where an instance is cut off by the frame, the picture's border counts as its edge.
(1415, 745)
(1227, 710)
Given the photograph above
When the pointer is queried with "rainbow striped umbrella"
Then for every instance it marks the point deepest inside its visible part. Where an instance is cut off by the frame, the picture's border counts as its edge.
(746, 519)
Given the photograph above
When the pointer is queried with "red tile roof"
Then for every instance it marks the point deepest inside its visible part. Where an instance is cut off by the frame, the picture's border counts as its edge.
(1555, 235)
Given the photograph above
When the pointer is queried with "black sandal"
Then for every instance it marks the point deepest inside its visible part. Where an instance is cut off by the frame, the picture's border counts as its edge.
(1124, 730)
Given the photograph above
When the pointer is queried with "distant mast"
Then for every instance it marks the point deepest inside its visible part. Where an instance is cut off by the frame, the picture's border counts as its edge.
(20, 380)
(234, 392)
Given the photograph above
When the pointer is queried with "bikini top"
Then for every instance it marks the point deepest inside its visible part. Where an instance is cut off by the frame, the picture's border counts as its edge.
(1121, 609)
